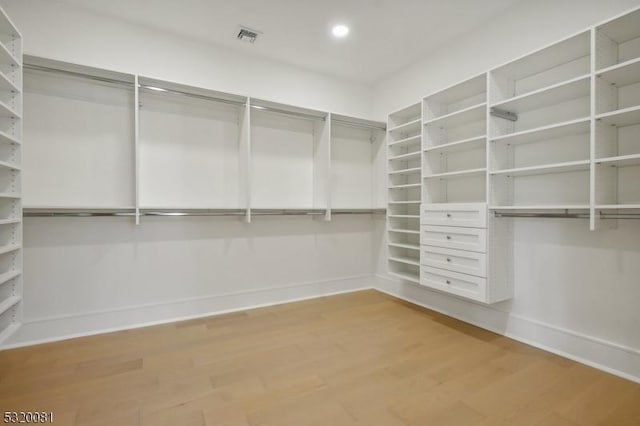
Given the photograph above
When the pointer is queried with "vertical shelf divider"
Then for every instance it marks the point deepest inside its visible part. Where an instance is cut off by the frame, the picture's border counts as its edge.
(136, 146)
(245, 159)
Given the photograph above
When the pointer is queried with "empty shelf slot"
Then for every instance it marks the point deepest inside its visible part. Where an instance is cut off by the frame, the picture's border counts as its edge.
(622, 117)
(406, 142)
(461, 145)
(407, 260)
(463, 116)
(9, 303)
(406, 276)
(404, 231)
(570, 166)
(554, 131)
(567, 90)
(620, 161)
(452, 175)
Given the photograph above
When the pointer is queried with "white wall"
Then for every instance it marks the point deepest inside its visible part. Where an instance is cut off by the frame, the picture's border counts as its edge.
(59, 31)
(576, 291)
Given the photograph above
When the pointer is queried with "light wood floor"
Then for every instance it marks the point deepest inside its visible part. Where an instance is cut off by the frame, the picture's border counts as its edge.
(357, 359)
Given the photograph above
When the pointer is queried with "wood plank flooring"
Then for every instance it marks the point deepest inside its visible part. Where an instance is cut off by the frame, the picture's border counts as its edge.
(357, 359)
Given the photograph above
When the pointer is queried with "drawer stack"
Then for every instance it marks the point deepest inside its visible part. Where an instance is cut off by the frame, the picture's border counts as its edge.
(453, 250)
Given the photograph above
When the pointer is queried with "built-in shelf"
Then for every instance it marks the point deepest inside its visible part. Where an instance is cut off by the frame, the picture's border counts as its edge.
(9, 166)
(405, 216)
(466, 115)
(405, 246)
(569, 166)
(8, 85)
(404, 231)
(542, 207)
(621, 117)
(404, 186)
(554, 131)
(10, 248)
(620, 161)
(6, 111)
(406, 202)
(9, 221)
(9, 303)
(458, 174)
(8, 276)
(7, 57)
(9, 195)
(404, 259)
(557, 93)
(622, 74)
(409, 127)
(618, 206)
(405, 142)
(460, 145)
(405, 276)
(405, 171)
(9, 330)
(6, 138)
(406, 156)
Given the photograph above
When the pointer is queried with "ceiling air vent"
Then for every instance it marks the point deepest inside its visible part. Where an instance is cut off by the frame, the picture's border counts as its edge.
(247, 34)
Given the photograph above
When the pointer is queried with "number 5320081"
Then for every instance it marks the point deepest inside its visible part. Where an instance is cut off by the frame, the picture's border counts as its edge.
(28, 417)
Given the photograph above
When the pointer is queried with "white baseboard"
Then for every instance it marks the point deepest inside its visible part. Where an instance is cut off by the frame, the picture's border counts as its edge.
(611, 357)
(52, 329)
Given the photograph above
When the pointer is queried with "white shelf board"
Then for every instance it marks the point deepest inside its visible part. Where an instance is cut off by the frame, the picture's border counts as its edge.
(459, 174)
(9, 221)
(407, 185)
(9, 195)
(6, 57)
(405, 246)
(411, 126)
(406, 141)
(542, 207)
(622, 74)
(10, 248)
(404, 231)
(569, 166)
(549, 57)
(622, 29)
(405, 216)
(6, 138)
(8, 331)
(458, 92)
(7, 84)
(622, 117)
(406, 276)
(461, 145)
(553, 131)
(408, 112)
(8, 276)
(404, 259)
(406, 171)
(406, 202)
(574, 88)
(618, 206)
(464, 116)
(9, 166)
(407, 156)
(620, 161)
(9, 303)
(6, 111)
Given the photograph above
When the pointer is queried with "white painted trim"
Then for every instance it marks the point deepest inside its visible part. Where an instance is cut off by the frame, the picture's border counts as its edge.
(614, 358)
(44, 330)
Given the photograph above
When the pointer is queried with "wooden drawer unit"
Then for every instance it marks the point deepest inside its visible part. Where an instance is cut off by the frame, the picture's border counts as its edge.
(472, 239)
(455, 283)
(466, 262)
(467, 215)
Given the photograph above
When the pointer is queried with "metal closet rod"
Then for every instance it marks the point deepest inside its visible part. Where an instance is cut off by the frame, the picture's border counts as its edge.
(159, 89)
(601, 215)
(194, 212)
(359, 125)
(286, 112)
(79, 74)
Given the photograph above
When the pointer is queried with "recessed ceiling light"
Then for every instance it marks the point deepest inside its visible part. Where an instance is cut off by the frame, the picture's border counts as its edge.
(340, 30)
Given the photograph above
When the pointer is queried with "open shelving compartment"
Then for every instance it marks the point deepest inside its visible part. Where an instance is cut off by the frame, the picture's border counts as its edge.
(290, 157)
(81, 146)
(404, 170)
(540, 118)
(189, 147)
(357, 163)
(11, 132)
(454, 147)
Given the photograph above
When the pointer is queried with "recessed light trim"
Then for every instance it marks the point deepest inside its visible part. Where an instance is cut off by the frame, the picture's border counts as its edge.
(340, 31)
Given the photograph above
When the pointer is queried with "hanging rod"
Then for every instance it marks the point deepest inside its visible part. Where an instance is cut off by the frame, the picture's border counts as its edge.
(78, 74)
(359, 125)
(159, 89)
(601, 215)
(285, 112)
(190, 212)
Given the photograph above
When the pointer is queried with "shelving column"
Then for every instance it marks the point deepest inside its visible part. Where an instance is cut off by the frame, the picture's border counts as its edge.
(10, 177)
(404, 170)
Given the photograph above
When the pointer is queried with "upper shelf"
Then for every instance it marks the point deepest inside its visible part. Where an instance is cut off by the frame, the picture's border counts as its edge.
(554, 131)
(622, 117)
(569, 166)
(6, 57)
(622, 74)
(409, 127)
(463, 116)
(459, 145)
(561, 92)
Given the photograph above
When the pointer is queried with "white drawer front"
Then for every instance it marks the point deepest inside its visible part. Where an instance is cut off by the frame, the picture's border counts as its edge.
(471, 215)
(466, 262)
(454, 283)
(472, 239)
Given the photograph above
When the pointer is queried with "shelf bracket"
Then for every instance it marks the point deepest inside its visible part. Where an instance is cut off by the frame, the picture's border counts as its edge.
(501, 113)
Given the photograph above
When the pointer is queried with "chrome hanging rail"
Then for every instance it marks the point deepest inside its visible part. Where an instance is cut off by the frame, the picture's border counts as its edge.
(372, 126)
(79, 75)
(286, 112)
(567, 215)
(190, 212)
(160, 89)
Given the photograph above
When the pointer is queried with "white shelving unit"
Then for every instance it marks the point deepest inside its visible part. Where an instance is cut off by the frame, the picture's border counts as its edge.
(11, 99)
(404, 171)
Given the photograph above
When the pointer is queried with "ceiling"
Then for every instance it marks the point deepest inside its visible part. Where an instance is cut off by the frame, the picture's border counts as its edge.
(385, 34)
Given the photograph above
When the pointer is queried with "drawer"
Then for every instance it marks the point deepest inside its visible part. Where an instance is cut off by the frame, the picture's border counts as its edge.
(452, 282)
(470, 215)
(472, 239)
(466, 262)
